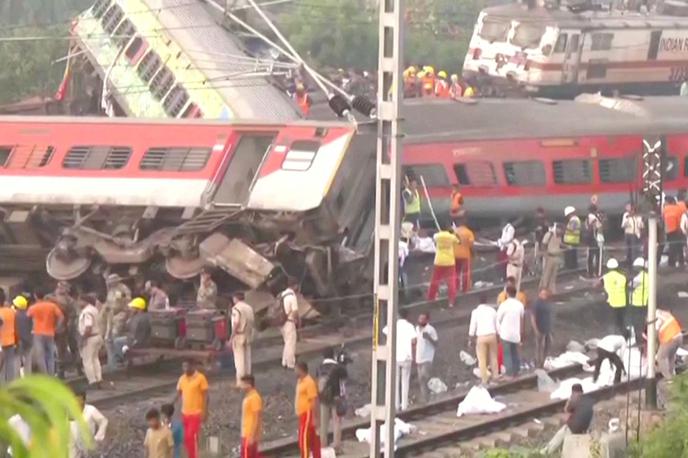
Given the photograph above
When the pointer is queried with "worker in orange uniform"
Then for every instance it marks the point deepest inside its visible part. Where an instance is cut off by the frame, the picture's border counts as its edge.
(47, 317)
(463, 254)
(442, 85)
(670, 339)
(456, 209)
(192, 388)
(427, 82)
(444, 268)
(307, 409)
(672, 224)
(521, 296)
(251, 418)
(410, 83)
(302, 99)
(8, 340)
(455, 87)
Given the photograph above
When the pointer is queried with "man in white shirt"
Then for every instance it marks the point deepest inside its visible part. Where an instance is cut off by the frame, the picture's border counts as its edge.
(96, 423)
(290, 304)
(403, 254)
(509, 327)
(426, 344)
(508, 234)
(632, 226)
(91, 340)
(482, 332)
(609, 348)
(515, 254)
(406, 343)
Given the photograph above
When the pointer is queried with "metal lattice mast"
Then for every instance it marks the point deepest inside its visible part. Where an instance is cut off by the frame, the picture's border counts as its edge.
(387, 225)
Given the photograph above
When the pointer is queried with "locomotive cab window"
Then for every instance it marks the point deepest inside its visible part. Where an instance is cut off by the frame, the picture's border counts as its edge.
(433, 175)
(573, 171)
(560, 45)
(621, 170)
(175, 159)
(525, 173)
(528, 35)
(475, 173)
(97, 157)
(494, 29)
(300, 156)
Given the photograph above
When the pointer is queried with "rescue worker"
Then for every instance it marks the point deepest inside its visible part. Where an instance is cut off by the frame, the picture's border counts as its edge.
(442, 85)
(8, 340)
(672, 225)
(640, 297)
(594, 238)
(91, 340)
(515, 254)
(670, 339)
(242, 335)
(614, 283)
(251, 418)
(444, 268)
(115, 314)
(290, 307)
(508, 234)
(572, 238)
(410, 82)
(456, 209)
(47, 317)
(520, 295)
(206, 297)
(632, 225)
(24, 334)
(463, 255)
(470, 91)
(307, 410)
(138, 327)
(302, 99)
(455, 88)
(412, 203)
(66, 335)
(427, 81)
(157, 297)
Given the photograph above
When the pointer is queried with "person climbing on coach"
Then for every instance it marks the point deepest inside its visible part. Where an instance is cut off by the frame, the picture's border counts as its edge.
(572, 238)
(456, 209)
(411, 197)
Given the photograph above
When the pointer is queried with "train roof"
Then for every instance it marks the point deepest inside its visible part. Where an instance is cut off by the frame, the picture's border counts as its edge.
(586, 20)
(446, 120)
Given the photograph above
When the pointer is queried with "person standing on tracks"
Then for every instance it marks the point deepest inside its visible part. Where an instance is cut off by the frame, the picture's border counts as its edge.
(508, 234)
(572, 238)
(157, 297)
(593, 237)
(579, 408)
(116, 304)
(406, 344)
(426, 345)
(540, 228)
(609, 348)
(444, 268)
(8, 340)
(482, 333)
(251, 418)
(192, 388)
(615, 283)
(66, 335)
(633, 226)
(541, 320)
(91, 340)
(670, 339)
(551, 255)
(307, 410)
(47, 317)
(510, 327)
(24, 335)
(242, 335)
(456, 210)
(516, 256)
(288, 311)
(411, 197)
(503, 296)
(206, 297)
(640, 297)
(672, 224)
(332, 395)
(463, 255)
(158, 442)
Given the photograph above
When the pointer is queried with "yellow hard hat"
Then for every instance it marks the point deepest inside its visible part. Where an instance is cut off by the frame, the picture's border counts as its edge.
(429, 70)
(20, 302)
(411, 69)
(138, 303)
(421, 75)
(442, 74)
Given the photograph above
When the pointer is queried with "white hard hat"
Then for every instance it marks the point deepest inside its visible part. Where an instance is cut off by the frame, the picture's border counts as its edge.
(612, 264)
(639, 262)
(568, 210)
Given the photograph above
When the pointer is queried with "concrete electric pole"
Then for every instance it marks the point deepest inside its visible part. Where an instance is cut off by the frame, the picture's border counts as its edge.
(387, 226)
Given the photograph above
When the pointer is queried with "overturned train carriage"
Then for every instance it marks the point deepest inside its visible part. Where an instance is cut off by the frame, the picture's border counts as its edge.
(259, 201)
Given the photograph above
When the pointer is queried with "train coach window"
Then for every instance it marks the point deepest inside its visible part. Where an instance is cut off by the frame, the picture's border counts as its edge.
(5, 153)
(433, 174)
(149, 66)
(161, 83)
(560, 45)
(134, 48)
(30, 157)
(175, 159)
(175, 101)
(574, 171)
(617, 170)
(475, 173)
(300, 156)
(124, 33)
(525, 173)
(112, 18)
(100, 7)
(97, 157)
(601, 41)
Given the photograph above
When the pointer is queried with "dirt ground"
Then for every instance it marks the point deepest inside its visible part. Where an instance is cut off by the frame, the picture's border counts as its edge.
(581, 318)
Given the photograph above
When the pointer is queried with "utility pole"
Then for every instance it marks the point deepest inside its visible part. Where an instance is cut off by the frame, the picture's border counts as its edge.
(653, 167)
(387, 225)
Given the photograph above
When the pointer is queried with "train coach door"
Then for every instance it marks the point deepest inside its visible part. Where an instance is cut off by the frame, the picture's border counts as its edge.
(571, 60)
(242, 168)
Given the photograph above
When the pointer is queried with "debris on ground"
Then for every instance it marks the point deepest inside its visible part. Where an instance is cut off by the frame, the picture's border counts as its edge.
(437, 386)
(479, 401)
(401, 429)
(467, 359)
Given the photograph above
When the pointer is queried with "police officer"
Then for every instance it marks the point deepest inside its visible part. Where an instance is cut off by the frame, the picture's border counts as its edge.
(551, 258)
(242, 335)
(640, 297)
(572, 237)
(614, 283)
(116, 305)
(66, 337)
(206, 297)
(290, 305)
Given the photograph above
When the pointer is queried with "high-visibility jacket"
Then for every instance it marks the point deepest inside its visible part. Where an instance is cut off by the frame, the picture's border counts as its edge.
(304, 102)
(615, 286)
(8, 337)
(572, 236)
(669, 327)
(469, 92)
(412, 205)
(428, 85)
(456, 203)
(641, 293)
(672, 218)
(442, 89)
(445, 242)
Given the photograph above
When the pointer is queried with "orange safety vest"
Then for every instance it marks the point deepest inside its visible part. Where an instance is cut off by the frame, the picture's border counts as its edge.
(304, 103)
(456, 203)
(670, 328)
(428, 83)
(442, 89)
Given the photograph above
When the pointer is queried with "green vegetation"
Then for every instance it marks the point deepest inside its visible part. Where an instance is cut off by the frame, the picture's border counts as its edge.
(46, 405)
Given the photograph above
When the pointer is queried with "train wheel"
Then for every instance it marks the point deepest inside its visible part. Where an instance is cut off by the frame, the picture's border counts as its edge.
(65, 268)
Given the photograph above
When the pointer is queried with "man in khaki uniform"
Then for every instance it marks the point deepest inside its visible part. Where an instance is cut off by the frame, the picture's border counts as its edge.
(91, 340)
(66, 335)
(242, 335)
(206, 297)
(290, 304)
(552, 252)
(116, 306)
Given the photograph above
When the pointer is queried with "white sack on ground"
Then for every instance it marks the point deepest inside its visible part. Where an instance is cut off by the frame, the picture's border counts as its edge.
(565, 359)
(437, 386)
(575, 346)
(401, 429)
(564, 389)
(545, 382)
(479, 401)
(467, 358)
